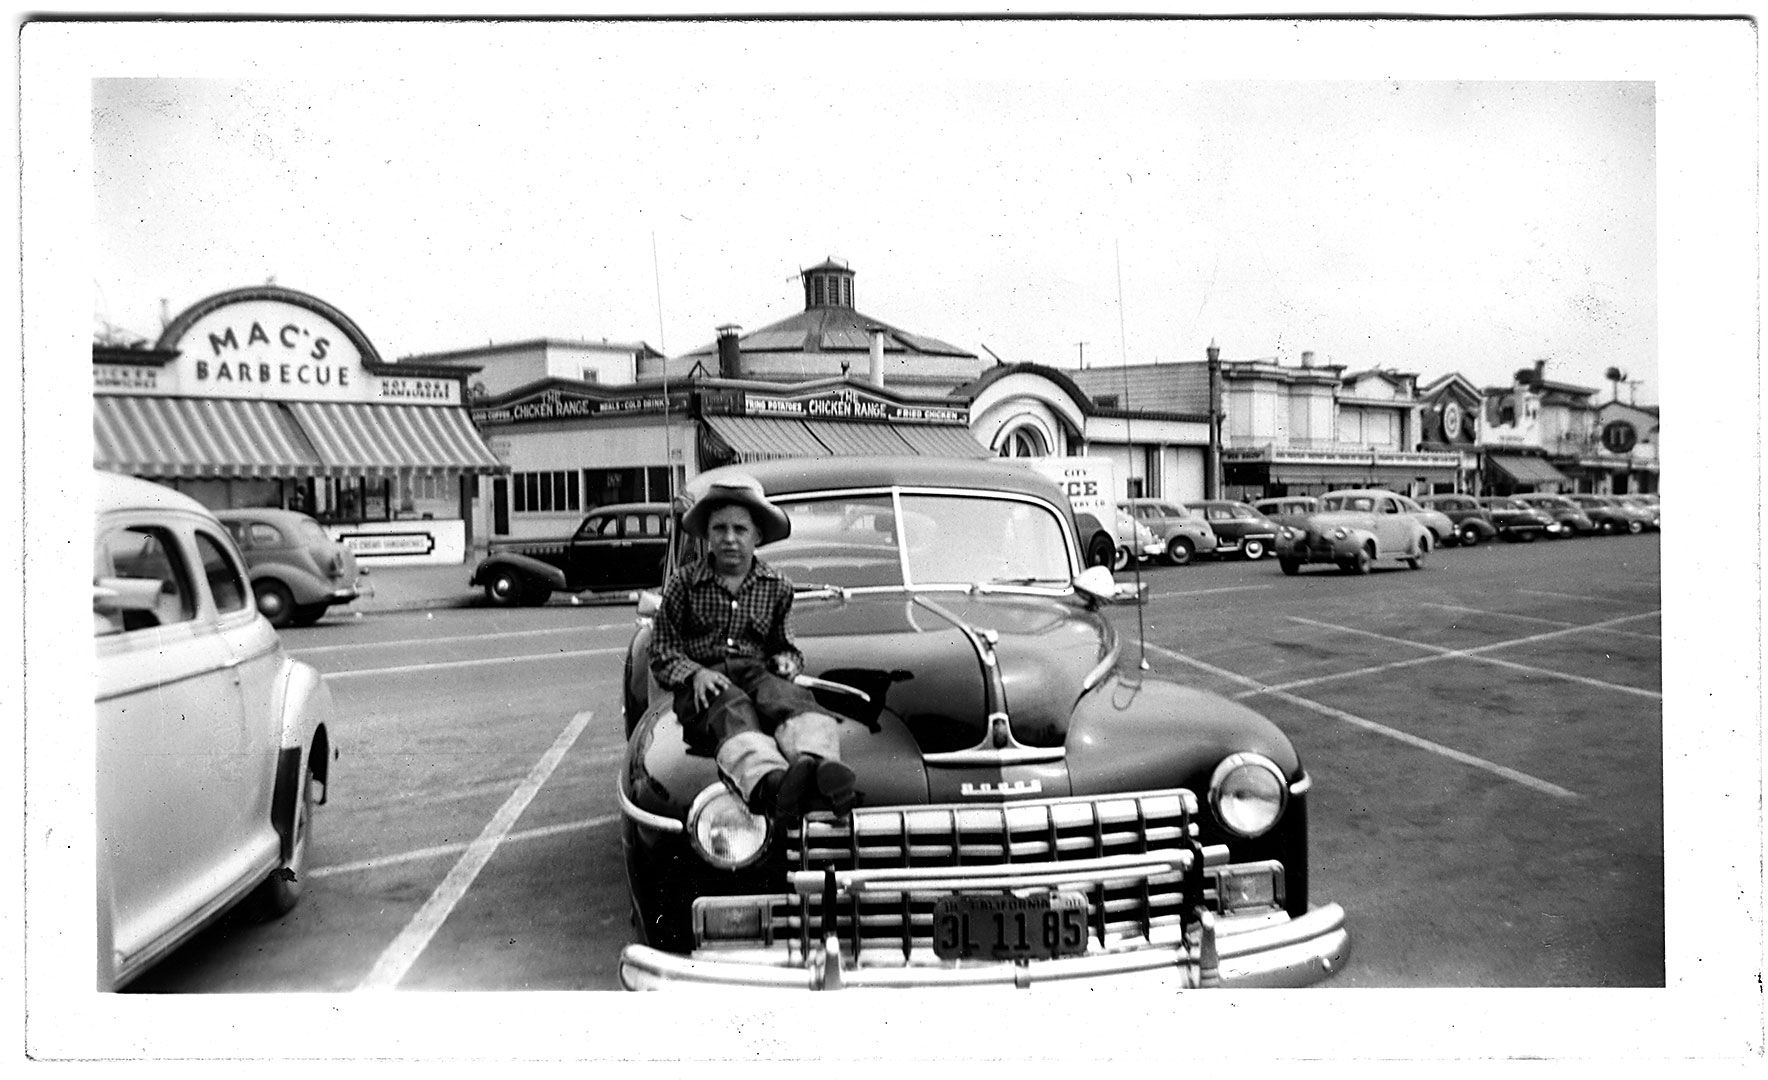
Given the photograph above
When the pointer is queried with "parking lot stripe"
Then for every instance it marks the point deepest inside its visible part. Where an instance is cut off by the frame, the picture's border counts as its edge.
(358, 646)
(438, 851)
(1569, 596)
(1477, 654)
(1534, 783)
(1534, 619)
(436, 665)
(398, 957)
(1225, 588)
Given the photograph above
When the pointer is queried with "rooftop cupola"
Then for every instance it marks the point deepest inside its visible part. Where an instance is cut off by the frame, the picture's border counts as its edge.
(829, 284)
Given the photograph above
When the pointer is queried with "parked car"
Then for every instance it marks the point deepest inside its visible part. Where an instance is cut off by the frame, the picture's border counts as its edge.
(1518, 521)
(1289, 510)
(1571, 518)
(614, 547)
(1610, 516)
(1352, 530)
(213, 746)
(1442, 529)
(298, 571)
(1472, 524)
(1238, 527)
(1011, 778)
(1135, 541)
(1181, 532)
(1645, 505)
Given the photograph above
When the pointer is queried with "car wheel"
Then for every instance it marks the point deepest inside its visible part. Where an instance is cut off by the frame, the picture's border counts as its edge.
(1359, 563)
(1290, 567)
(308, 614)
(536, 596)
(1527, 536)
(275, 602)
(504, 589)
(282, 889)
(1179, 551)
(1101, 551)
(1120, 558)
(1635, 527)
(1416, 562)
(1253, 550)
(1469, 535)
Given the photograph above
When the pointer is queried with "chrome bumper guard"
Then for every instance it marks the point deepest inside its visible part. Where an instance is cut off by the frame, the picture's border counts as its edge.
(1268, 949)
(1249, 952)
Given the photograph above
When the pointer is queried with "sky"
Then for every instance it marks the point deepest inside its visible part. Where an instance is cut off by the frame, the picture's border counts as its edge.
(650, 183)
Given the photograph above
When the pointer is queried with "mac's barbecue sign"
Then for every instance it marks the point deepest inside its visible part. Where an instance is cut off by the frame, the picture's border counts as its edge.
(277, 345)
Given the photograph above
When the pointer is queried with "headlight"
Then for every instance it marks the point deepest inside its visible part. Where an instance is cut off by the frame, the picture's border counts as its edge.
(1339, 533)
(1248, 793)
(723, 830)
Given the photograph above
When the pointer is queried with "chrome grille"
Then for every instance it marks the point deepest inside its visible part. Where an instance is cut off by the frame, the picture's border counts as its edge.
(1132, 910)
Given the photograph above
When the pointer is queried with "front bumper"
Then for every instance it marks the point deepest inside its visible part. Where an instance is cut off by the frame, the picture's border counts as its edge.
(1235, 952)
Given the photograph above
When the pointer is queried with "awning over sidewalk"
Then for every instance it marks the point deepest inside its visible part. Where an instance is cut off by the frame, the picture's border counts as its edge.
(1528, 470)
(753, 438)
(198, 437)
(380, 440)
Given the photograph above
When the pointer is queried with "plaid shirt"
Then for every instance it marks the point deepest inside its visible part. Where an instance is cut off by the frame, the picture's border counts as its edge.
(702, 623)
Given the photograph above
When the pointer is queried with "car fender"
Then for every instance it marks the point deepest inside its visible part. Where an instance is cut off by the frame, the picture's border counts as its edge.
(526, 565)
(306, 586)
(306, 709)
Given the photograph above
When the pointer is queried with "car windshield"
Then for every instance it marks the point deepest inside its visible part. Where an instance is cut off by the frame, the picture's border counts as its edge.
(1361, 503)
(854, 541)
(1505, 504)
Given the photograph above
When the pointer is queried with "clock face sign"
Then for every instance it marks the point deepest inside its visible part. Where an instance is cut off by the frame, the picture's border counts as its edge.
(1451, 422)
(1618, 436)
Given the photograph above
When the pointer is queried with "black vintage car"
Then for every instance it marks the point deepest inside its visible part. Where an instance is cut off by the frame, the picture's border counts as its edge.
(1032, 809)
(617, 547)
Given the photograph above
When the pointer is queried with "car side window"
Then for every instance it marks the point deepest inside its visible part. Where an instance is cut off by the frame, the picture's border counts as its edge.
(596, 527)
(630, 525)
(148, 552)
(262, 535)
(1389, 506)
(225, 583)
(237, 530)
(652, 524)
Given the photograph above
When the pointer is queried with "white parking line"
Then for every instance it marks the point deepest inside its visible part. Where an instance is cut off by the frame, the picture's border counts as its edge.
(398, 957)
(1477, 654)
(1534, 619)
(436, 665)
(1225, 588)
(1569, 596)
(1534, 783)
(358, 646)
(420, 854)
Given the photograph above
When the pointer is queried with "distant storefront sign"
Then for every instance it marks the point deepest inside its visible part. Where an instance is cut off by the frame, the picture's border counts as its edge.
(1619, 437)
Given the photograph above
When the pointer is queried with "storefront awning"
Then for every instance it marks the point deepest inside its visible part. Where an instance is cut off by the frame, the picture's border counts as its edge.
(1528, 470)
(753, 438)
(198, 437)
(380, 440)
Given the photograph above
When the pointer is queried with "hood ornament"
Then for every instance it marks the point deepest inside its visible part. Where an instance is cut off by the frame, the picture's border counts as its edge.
(998, 746)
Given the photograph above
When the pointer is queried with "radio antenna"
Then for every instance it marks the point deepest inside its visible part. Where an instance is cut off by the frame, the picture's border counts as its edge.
(1129, 437)
(663, 347)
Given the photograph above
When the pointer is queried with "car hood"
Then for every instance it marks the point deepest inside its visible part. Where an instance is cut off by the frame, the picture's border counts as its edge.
(1076, 726)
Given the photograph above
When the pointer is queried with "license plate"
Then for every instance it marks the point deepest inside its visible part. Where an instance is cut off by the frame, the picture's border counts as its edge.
(999, 926)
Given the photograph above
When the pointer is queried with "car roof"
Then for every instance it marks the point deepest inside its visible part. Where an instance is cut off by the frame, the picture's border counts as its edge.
(630, 508)
(263, 513)
(1358, 491)
(113, 491)
(789, 476)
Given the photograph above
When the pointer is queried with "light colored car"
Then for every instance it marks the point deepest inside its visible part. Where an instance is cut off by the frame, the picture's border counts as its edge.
(1645, 506)
(1135, 539)
(1442, 530)
(213, 746)
(1353, 529)
(1183, 532)
(298, 571)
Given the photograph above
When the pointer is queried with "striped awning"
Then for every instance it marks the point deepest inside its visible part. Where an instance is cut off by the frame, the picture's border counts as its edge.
(757, 438)
(198, 437)
(381, 440)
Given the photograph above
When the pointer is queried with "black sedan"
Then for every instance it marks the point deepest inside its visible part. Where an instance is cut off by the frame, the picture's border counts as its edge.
(1473, 525)
(1573, 521)
(1238, 527)
(1029, 813)
(1516, 520)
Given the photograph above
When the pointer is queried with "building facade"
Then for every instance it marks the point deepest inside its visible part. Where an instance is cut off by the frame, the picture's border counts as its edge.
(270, 397)
(1449, 413)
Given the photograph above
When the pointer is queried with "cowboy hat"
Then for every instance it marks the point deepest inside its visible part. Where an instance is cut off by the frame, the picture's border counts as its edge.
(739, 490)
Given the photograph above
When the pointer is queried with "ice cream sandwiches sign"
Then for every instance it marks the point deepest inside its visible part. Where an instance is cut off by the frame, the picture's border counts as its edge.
(270, 349)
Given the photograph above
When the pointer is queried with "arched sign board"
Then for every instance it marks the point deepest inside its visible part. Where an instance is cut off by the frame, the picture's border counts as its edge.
(1619, 437)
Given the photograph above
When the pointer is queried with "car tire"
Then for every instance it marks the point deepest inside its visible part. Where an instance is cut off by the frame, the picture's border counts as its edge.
(1291, 567)
(1359, 563)
(275, 602)
(308, 614)
(1527, 536)
(1101, 551)
(1416, 562)
(281, 891)
(1179, 551)
(504, 588)
(1635, 527)
(1252, 550)
(1469, 535)
(1120, 559)
(536, 596)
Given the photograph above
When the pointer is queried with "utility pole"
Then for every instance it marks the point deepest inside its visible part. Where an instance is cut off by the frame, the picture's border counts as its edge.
(1083, 354)
(1633, 386)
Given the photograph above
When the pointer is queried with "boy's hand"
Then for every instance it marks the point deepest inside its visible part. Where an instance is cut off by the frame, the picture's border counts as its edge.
(785, 665)
(707, 685)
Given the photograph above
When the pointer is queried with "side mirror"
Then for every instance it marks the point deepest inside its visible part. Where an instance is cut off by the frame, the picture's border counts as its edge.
(114, 595)
(1097, 583)
(649, 603)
